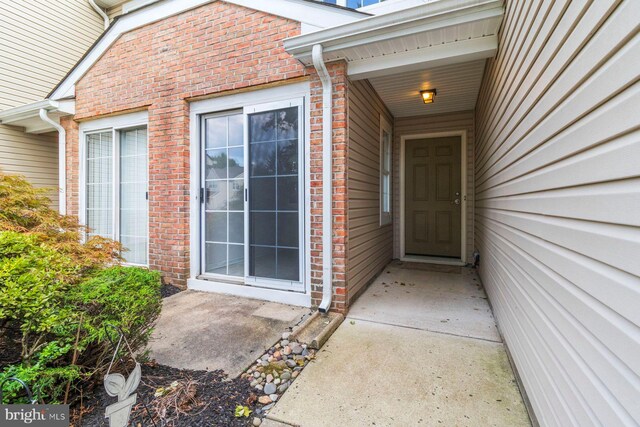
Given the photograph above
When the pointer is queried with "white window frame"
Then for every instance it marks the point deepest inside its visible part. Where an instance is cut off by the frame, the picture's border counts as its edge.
(242, 287)
(115, 125)
(385, 216)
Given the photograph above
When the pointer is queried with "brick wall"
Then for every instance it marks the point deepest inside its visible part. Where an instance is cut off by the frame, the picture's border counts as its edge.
(209, 51)
(71, 163)
(338, 72)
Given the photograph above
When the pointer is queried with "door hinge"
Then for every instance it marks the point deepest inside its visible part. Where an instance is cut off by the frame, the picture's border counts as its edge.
(202, 195)
(246, 194)
(146, 195)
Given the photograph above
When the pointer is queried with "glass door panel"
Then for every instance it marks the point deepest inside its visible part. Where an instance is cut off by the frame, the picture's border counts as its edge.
(99, 182)
(274, 249)
(133, 195)
(223, 174)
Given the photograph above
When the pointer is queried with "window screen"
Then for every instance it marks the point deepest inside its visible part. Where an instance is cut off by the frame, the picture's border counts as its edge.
(99, 184)
(133, 195)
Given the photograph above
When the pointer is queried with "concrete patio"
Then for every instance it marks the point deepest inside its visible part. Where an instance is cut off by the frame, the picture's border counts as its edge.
(419, 347)
(209, 331)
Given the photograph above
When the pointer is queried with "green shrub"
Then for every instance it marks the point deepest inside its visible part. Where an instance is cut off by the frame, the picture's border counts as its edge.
(51, 314)
(33, 282)
(127, 298)
(55, 289)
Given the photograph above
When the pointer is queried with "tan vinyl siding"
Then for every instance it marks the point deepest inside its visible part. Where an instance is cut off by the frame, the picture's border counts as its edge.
(558, 202)
(435, 123)
(370, 245)
(34, 156)
(40, 41)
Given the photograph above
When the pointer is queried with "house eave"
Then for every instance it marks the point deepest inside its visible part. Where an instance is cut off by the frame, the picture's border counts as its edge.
(413, 31)
(28, 116)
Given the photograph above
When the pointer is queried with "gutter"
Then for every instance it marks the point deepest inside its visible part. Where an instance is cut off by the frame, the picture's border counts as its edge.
(327, 187)
(100, 12)
(62, 170)
(401, 23)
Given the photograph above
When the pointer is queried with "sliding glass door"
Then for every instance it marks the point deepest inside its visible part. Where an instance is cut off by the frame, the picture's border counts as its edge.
(134, 187)
(274, 202)
(117, 189)
(252, 214)
(223, 166)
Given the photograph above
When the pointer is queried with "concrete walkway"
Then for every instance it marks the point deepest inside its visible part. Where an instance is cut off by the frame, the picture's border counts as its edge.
(420, 347)
(208, 331)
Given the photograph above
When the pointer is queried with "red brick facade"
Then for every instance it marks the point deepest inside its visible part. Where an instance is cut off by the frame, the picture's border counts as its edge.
(212, 50)
(338, 72)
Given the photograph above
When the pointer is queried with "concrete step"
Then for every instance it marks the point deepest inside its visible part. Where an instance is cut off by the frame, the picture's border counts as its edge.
(317, 329)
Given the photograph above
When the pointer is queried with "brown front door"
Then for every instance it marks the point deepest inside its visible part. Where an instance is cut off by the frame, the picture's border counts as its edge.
(433, 197)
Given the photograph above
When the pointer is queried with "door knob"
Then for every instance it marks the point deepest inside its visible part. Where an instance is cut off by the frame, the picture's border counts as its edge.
(456, 202)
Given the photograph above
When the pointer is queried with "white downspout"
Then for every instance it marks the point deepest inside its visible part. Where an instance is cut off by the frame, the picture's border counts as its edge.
(327, 172)
(62, 152)
(100, 12)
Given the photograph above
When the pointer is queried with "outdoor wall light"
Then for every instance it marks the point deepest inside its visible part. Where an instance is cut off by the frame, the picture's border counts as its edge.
(428, 95)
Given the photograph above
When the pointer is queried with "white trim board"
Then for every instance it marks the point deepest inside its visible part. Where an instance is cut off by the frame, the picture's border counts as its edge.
(237, 102)
(463, 176)
(246, 291)
(314, 16)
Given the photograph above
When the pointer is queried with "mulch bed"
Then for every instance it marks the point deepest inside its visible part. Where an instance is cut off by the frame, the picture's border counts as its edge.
(212, 403)
(167, 290)
(10, 346)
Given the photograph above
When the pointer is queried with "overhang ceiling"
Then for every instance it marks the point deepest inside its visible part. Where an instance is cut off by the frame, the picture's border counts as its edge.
(457, 85)
(430, 35)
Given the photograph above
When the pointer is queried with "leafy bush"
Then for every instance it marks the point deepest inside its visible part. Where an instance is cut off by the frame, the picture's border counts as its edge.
(27, 210)
(127, 298)
(59, 293)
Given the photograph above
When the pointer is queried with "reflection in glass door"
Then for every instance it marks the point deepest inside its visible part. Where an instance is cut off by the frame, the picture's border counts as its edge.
(223, 175)
(274, 247)
(251, 193)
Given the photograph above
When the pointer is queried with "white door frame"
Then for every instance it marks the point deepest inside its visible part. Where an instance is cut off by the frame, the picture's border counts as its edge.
(463, 217)
(238, 101)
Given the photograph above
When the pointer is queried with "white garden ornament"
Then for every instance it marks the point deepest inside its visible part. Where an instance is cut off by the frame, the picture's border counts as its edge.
(116, 385)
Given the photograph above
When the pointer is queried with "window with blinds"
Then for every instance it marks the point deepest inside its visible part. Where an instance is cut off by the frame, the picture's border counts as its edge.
(385, 172)
(120, 186)
(99, 182)
(133, 194)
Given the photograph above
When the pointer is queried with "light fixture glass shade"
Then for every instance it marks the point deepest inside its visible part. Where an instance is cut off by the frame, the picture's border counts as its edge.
(428, 96)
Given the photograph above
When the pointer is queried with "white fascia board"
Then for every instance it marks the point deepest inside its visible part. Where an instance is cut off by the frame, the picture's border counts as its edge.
(67, 106)
(28, 115)
(428, 17)
(317, 15)
(26, 111)
(434, 56)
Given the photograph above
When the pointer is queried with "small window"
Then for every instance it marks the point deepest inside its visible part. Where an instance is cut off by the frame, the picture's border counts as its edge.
(385, 171)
